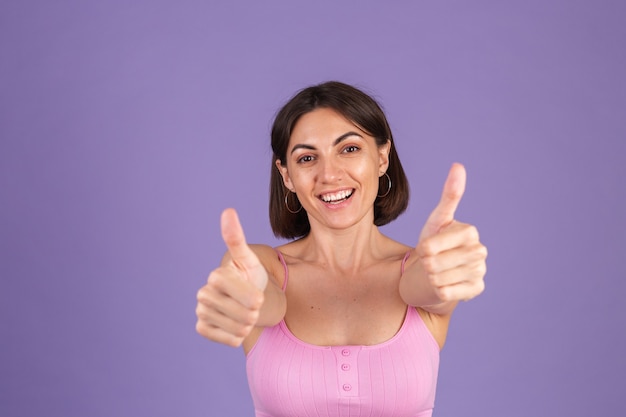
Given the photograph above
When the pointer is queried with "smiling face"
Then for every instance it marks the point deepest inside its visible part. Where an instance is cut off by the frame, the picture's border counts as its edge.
(333, 167)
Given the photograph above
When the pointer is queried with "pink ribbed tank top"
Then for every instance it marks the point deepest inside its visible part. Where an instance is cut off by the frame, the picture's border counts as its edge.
(292, 378)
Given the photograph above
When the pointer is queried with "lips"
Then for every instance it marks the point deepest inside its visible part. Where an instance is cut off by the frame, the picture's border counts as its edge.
(336, 197)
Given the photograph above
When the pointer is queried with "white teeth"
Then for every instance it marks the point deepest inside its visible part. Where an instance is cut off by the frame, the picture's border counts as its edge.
(341, 195)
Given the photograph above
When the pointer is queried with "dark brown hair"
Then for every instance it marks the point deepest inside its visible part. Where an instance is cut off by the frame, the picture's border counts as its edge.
(364, 112)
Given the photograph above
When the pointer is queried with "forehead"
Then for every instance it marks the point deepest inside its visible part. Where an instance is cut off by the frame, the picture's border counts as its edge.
(322, 124)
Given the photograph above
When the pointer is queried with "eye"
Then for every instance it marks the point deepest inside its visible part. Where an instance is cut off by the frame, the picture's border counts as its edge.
(305, 158)
(351, 149)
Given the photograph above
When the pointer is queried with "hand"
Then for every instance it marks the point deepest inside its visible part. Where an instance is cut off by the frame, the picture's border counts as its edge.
(229, 304)
(450, 252)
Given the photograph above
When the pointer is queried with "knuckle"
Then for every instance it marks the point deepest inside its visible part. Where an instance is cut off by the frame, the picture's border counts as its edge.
(203, 330)
(257, 300)
(480, 287)
(443, 294)
(482, 250)
(482, 269)
(199, 311)
(217, 278)
(433, 280)
(242, 331)
(203, 313)
(472, 233)
(217, 335)
(214, 280)
(235, 341)
(426, 247)
(213, 276)
(252, 317)
(429, 265)
(204, 296)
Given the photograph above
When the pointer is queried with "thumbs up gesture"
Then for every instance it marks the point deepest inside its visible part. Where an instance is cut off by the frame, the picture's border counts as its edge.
(448, 263)
(229, 304)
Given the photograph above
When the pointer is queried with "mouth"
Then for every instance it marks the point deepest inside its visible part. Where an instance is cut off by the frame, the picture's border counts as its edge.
(336, 198)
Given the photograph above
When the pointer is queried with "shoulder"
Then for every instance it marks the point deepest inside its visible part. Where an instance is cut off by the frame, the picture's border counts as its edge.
(265, 252)
(270, 260)
(265, 255)
(395, 249)
(292, 252)
(268, 256)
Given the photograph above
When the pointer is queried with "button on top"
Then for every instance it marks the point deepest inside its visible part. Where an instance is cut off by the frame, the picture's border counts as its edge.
(345, 352)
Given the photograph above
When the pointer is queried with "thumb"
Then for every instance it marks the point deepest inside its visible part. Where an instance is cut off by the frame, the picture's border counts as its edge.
(443, 214)
(243, 257)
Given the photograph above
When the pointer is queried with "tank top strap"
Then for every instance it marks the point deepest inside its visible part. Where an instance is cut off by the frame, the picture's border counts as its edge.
(282, 261)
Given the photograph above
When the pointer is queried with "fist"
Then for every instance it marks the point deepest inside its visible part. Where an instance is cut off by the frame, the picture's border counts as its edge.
(454, 262)
(229, 304)
(450, 253)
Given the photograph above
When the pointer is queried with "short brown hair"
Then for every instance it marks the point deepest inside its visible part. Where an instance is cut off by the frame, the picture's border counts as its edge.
(363, 111)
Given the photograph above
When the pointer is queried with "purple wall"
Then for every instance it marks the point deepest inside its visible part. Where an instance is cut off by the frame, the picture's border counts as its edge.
(126, 127)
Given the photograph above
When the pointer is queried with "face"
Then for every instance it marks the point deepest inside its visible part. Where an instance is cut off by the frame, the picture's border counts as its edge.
(333, 167)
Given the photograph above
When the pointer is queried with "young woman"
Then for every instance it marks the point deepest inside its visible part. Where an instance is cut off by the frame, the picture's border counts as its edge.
(343, 320)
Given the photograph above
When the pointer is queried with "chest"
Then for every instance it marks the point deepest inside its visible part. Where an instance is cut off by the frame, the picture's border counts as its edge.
(330, 309)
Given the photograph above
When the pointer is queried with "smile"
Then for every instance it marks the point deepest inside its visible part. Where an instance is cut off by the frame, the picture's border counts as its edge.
(338, 197)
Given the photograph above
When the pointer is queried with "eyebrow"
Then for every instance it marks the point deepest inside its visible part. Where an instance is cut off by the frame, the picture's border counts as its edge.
(335, 143)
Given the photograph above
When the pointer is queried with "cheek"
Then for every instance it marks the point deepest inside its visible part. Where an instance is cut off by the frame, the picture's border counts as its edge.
(300, 178)
(374, 171)
(373, 166)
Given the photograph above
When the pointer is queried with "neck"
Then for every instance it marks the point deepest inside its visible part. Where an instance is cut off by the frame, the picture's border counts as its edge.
(348, 250)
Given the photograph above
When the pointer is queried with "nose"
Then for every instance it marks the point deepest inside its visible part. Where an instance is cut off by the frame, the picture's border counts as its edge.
(330, 170)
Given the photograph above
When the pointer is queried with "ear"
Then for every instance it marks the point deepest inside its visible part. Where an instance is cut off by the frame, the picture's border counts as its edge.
(282, 169)
(383, 157)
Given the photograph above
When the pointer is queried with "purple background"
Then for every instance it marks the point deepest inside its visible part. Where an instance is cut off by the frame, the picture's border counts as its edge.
(126, 127)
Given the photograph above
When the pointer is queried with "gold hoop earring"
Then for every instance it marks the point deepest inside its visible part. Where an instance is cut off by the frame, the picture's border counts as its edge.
(388, 187)
(287, 204)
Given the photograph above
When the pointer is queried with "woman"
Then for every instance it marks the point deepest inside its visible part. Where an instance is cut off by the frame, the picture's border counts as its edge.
(342, 320)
